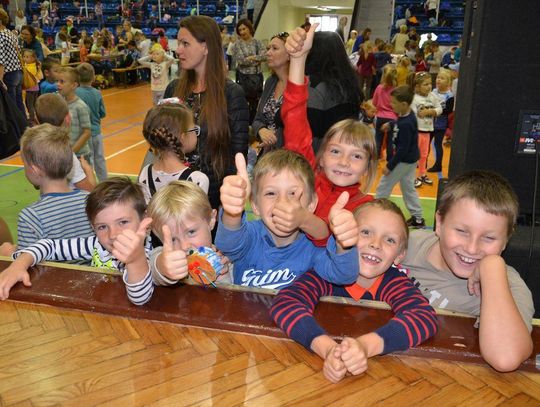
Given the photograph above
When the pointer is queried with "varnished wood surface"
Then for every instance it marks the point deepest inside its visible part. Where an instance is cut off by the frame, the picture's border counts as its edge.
(50, 357)
(55, 356)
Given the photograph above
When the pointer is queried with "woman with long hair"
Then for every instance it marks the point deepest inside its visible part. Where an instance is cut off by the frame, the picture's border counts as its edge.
(218, 104)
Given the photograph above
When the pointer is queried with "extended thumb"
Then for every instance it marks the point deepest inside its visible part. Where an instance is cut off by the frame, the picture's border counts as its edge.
(241, 168)
(341, 201)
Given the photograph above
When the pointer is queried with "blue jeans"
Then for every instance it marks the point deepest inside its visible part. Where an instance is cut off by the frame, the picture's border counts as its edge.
(13, 81)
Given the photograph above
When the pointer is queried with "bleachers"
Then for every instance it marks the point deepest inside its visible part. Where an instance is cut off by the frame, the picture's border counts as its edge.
(112, 15)
(451, 11)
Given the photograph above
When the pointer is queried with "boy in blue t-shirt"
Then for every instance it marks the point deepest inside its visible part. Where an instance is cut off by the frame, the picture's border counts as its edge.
(273, 251)
(93, 99)
(402, 166)
(51, 67)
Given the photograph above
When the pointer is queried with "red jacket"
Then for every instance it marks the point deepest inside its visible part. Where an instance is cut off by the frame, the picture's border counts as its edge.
(297, 137)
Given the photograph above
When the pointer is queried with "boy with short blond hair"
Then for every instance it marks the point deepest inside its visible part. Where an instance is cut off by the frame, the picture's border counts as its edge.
(59, 212)
(459, 266)
(271, 252)
(93, 99)
(52, 108)
(67, 83)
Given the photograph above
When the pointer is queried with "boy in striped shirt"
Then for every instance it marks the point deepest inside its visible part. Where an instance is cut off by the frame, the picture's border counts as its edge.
(116, 210)
(382, 240)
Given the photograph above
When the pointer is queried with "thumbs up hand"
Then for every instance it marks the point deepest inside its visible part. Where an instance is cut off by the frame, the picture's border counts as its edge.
(236, 189)
(171, 263)
(128, 247)
(288, 214)
(342, 223)
(299, 42)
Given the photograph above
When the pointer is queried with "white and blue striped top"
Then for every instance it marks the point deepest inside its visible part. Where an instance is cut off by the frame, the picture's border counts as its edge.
(54, 216)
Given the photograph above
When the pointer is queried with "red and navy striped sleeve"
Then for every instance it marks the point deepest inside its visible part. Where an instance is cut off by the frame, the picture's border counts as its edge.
(414, 320)
(292, 309)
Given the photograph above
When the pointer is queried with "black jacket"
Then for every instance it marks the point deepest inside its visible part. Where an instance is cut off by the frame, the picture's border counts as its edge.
(12, 125)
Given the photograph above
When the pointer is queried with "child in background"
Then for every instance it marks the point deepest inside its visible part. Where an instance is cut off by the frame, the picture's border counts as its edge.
(452, 265)
(85, 50)
(421, 65)
(402, 167)
(433, 60)
(98, 11)
(68, 82)
(115, 209)
(53, 15)
(426, 106)
(32, 65)
(365, 68)
(51, 69)
(52, 108)
(35, 21)
(130, 60)
(445, 95)
(383, 57)
(20, 20)
(367, 114)
(383, 103)
(350, 42)
(183, 219)
(271, 252)
(93, 99)
(159, 64)
(66, 46)
(163, 41)
(59, 212)
(170, 130)
(403, 69)
(346, 155)
(383, 236)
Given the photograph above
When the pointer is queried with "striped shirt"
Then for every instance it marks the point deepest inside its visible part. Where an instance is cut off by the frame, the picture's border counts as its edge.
(89, 248)
(54, 216)
(414, 320)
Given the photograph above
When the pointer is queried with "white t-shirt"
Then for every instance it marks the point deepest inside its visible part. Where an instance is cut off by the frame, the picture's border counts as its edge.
(77, 173)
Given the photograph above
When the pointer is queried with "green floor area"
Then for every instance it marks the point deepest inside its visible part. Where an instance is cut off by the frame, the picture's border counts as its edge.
(16, 193)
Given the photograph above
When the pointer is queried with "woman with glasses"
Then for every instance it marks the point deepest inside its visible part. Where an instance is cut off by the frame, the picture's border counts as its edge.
(218, 104)
(267, 124)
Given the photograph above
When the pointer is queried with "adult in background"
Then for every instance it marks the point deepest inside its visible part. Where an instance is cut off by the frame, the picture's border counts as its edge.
(267, 124)
(399, 40)
(340, 30)
(366, 34)
(28, 35)
(248, 54)
(218, 104)
(10, 66)
(334, 91)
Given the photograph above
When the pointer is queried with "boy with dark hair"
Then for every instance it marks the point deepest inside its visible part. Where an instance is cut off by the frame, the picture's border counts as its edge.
(459, 266)
(402, 166)
(59, 212)
(52, 108)
(116, 210)
(68, 82)
(51, 68)
(270, 253)
(93, 99)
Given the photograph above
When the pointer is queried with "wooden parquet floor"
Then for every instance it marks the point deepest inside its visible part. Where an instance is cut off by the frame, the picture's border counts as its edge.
(51, 356)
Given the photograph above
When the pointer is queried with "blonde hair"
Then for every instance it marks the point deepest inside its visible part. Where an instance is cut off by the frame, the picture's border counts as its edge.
(277, 161)
(447, 74)
(48, 148)
(385, 204)
(489, 190)
(163, 126)
(356, 133)
(389, 76)
(403, 29)
(71, 73)
(177, 201)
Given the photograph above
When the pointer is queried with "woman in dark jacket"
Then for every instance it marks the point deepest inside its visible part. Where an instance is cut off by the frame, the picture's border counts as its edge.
(218, 104)
(28, 34)
(267, 124)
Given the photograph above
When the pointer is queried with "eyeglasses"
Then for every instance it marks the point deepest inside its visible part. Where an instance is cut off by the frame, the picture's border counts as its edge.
(282, 36)
(196, 129)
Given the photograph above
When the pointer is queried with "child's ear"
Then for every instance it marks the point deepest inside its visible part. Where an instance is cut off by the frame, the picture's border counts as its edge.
(438, 222)
(254, 207)
(313, 204)
(212, 222)
(401, 256)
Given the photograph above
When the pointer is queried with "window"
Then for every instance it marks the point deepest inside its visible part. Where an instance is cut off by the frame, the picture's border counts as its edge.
(326, 22)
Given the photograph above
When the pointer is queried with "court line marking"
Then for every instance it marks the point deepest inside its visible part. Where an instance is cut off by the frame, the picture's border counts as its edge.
(125, 149)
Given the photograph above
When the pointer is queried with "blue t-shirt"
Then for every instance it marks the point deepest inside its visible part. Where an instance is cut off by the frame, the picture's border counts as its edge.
(259, 263)
(93, 99)
(47, 87)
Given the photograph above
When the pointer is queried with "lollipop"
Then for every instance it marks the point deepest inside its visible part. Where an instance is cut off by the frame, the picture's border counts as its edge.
(204, 265)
